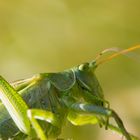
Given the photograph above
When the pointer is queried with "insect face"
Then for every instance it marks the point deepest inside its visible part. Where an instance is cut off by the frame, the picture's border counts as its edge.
(88, 66)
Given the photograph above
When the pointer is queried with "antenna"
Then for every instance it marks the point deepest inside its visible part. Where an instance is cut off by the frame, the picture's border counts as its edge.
(119, 52)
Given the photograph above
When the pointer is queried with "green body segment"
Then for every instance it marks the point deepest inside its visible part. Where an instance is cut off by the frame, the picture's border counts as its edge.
(15, 105)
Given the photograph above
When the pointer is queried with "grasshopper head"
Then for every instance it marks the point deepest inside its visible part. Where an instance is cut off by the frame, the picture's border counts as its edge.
(91, 66)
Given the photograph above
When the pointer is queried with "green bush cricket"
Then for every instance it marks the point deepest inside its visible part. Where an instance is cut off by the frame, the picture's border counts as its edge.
(38, 107)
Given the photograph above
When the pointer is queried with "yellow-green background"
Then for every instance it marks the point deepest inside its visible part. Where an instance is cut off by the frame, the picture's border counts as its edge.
(53, 35)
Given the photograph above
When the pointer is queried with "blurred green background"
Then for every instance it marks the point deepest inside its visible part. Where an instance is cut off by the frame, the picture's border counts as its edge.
(52, 35)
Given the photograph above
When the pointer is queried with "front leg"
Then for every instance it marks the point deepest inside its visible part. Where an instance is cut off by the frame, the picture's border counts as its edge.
(84, 108)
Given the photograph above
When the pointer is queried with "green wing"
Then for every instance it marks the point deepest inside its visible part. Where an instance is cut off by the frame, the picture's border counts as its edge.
(62, 80)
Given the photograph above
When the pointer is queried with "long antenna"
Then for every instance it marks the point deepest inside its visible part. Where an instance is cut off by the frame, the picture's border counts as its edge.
(116, 54)
(114, 49)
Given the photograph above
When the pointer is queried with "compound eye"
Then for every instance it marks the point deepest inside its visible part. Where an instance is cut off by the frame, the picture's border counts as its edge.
(84, 67)
(93, 64)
